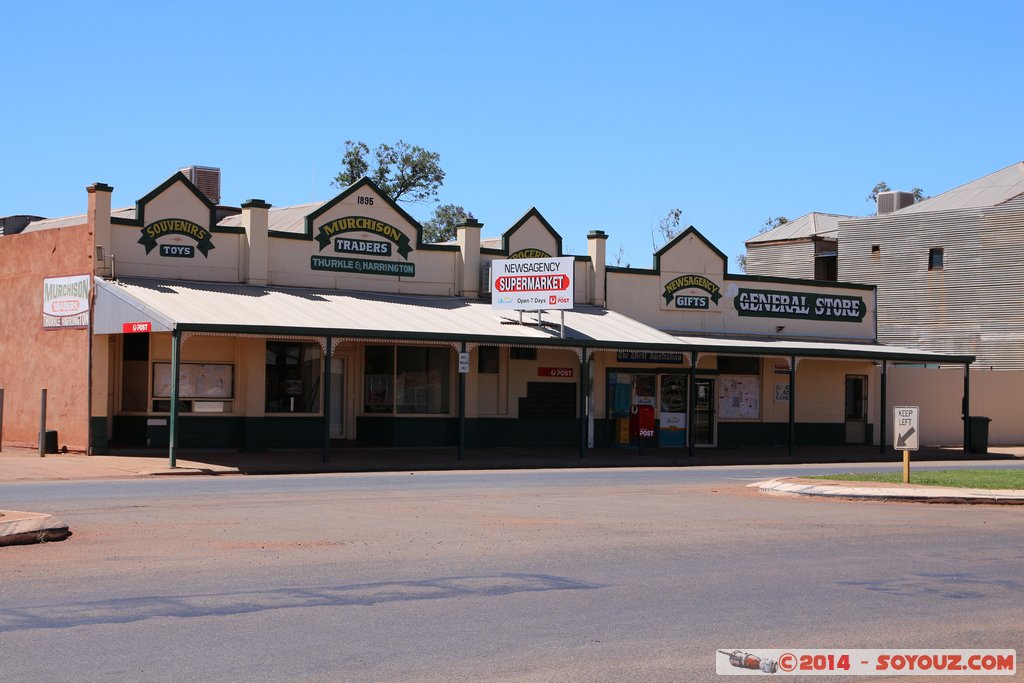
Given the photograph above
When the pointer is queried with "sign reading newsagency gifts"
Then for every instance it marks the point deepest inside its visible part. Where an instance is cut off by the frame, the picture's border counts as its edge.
(532, 284)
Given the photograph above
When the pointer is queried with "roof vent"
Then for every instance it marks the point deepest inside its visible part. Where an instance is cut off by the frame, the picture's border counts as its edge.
(12, 225)
(894, 201)
(207, 179)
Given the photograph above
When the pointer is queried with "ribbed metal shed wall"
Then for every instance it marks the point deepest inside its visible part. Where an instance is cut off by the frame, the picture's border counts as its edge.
(974, 305)
(784, 259)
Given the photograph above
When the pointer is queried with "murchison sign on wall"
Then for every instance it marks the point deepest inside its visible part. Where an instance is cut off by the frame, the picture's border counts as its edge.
(532, 284)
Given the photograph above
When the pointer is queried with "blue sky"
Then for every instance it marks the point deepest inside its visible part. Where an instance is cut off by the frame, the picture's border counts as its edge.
(602, 115)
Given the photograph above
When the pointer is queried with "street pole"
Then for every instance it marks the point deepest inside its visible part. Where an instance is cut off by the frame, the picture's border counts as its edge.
(906, 467)
(42, 426)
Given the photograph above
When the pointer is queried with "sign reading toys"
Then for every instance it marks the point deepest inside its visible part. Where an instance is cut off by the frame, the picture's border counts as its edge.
(66, 302)
(768, 303)
(678, 292)
(336, 231)
(176, 229)
(532, 284)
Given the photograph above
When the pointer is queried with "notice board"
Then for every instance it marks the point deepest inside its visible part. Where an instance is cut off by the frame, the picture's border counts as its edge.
(195, 380)
(739, 397)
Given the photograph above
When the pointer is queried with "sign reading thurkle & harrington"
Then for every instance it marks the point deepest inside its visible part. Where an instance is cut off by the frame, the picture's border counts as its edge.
(66, 302)
(336, 231)
(532, 284)
(176, 228)
(770, 303)
(676, 292)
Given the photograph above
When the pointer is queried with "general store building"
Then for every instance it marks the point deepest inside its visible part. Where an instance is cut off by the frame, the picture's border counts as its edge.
(330, 324)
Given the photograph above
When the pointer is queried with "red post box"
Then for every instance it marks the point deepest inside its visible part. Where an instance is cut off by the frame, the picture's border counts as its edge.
(641, 422)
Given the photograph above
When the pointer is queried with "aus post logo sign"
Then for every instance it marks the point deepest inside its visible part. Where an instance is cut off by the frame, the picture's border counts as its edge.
(532, 284)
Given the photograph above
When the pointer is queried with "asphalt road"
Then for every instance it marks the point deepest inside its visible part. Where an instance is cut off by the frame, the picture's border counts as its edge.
(615, 575)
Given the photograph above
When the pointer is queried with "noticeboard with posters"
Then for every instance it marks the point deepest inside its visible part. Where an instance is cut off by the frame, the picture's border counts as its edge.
(739, 397)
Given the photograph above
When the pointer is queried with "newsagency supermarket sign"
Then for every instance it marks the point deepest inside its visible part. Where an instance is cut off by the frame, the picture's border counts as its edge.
(532, 284)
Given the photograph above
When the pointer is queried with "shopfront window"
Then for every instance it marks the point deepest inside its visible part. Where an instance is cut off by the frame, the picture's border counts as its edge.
(420, 377)
(293, 377)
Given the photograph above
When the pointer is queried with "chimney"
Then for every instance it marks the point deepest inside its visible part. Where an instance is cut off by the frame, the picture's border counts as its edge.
(98, 218)
(597, 250)
(256, 220)
(206, 178)
(468, 238)
(888, 202)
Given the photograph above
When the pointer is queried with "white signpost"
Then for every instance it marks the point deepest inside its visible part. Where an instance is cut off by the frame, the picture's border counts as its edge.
(905, 435)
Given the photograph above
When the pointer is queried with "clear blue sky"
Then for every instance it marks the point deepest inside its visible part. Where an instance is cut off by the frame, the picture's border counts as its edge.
(602, 115)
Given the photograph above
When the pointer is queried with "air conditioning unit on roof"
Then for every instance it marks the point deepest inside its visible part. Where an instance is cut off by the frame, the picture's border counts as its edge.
(207, 179)
(894, 201)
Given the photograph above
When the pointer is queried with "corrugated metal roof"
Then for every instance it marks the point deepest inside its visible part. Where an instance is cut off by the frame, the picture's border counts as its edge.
(283, 219)
(274, 310)
(809, 225)
(244, 309)
(993, 189)
(66, 221)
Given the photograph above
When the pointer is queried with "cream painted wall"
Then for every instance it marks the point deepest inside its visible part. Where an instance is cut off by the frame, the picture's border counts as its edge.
(533, 235)
(289, 259)
(523, 371)
(938, 394)
(222, 264)
(641, 295)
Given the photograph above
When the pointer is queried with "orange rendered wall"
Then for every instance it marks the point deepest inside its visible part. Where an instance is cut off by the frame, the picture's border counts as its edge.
(32, 358)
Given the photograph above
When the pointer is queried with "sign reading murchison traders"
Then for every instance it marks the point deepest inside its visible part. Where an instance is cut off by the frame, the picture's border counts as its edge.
(349, 245)
(178, 228)
(66, 302)
(802, 305)
(532, 284)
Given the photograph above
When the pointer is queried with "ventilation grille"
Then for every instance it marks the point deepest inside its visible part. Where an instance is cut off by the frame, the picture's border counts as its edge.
(894, 201)
(207, 179)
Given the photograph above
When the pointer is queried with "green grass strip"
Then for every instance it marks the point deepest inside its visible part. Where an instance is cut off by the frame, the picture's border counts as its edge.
(968, 479)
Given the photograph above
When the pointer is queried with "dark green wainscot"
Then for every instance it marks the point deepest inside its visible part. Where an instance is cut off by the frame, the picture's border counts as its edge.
(738, 434)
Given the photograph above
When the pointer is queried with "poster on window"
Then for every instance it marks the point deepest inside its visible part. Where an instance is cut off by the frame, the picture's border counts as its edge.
(739, 397)
(195, 380)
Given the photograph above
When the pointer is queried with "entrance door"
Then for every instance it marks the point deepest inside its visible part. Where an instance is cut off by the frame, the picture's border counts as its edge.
(704, 412)
(338, 407)
(856, 409)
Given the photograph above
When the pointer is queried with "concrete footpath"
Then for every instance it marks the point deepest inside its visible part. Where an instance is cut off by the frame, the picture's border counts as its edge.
(863, 490)
(25, 465)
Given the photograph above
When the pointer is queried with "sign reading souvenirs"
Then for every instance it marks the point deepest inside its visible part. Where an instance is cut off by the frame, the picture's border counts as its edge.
(529, 253)
(683, 282)
(803, 305)
(179, 227)
(333, 229)
(362, 266)
(649, 357)
(532, 284)
(66, 302)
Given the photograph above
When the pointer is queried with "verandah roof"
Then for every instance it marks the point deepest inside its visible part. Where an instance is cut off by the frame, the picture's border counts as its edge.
(294, 311)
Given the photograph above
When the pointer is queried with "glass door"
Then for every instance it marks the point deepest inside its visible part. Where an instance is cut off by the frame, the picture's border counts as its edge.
(856, 409)
(704, 412)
